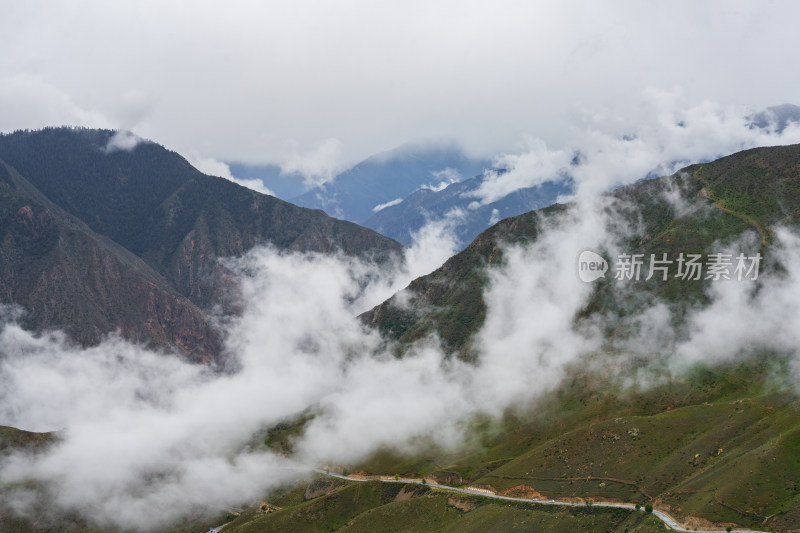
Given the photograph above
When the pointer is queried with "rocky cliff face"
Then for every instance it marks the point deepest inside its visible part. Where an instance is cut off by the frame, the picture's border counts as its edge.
(65, 276)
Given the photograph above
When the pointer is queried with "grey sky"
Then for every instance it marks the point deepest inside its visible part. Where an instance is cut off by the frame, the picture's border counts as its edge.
(319, 85)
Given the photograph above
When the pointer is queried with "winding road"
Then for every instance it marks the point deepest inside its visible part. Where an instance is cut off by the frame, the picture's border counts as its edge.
(664, 517)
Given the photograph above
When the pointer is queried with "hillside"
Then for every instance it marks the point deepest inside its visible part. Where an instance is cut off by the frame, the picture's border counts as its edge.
(97, 240)
(66, 276)
(715, 446)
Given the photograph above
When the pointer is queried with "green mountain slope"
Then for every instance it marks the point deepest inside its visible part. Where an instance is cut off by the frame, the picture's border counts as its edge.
(751, 190)
(714, 446)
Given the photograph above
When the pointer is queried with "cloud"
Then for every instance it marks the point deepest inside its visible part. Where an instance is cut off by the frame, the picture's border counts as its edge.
(380, 207)
(212, 167)
(148, 437)
(746, 317)
(448, 176)
(528, 169)
(122, 140)
(31, 102)
(318, 165)
(656, 137)
(243, 80)
(495, 217)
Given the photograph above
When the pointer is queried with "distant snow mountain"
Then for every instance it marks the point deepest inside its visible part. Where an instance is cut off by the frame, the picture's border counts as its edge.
(455, 204)
(398, 192)
(387, 178)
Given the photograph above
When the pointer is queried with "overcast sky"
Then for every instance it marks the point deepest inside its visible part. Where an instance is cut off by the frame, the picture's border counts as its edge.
(319, 85)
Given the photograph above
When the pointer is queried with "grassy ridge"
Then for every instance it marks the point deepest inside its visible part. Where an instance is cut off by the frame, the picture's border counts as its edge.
(699, 210)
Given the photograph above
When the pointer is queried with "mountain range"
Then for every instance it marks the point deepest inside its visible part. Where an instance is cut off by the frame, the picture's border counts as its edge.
(389, 177)
(714, 445)
(398, 192)
(457, 207)
(96, 239)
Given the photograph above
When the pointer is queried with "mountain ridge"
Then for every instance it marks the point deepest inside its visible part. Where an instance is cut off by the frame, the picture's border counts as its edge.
(152, 224)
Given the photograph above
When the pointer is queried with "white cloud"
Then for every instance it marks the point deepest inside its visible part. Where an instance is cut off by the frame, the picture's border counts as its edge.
(123, 140)
(212, 167)
(533, 167)
(241, 81)
(31, 102)
(746, 316)
(381, 207)
(656, 135)
(318, 165)
(448, 176)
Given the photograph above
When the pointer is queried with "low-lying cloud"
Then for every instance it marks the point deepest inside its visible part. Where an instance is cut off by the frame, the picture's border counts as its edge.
(123, 140)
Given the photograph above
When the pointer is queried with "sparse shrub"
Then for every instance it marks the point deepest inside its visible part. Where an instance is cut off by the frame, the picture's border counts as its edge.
(424, 481)
(638, 506)
(396, 477)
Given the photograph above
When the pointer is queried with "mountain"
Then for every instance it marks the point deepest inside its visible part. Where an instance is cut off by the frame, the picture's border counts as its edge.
(64, 275)
(714, 445)
(389, 177)
(754, 190)
(469, 219)
(96, 239)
